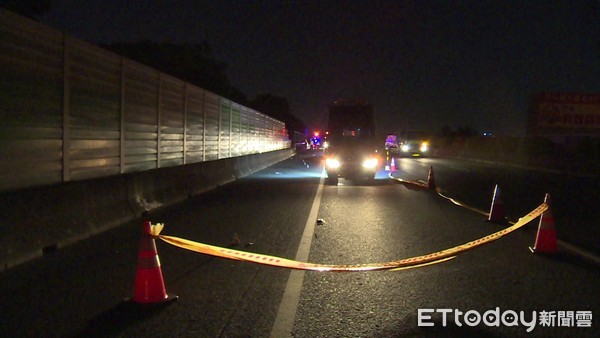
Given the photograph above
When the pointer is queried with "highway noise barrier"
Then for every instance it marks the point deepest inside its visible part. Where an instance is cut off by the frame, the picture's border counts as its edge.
(431, 179)
(406, 263)
(497, 214)
(149, 283)
(545, 241)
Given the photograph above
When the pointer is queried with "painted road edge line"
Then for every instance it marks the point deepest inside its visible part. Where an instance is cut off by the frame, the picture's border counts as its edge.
(286, 315)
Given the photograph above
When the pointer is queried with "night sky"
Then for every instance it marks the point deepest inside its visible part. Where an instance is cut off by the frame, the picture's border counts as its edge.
(422, 64)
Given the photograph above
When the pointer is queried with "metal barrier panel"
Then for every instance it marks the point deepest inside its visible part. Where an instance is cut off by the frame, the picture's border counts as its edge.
(254, 139)
(225, 129)
(236, 132)
(172, 102)
(244, 131)
(194, 147)
(141, 117)
(70, 110)
(94, 115)
(31, 103)
(211, 127)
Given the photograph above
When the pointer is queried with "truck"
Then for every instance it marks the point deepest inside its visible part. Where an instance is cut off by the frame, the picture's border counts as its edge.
(351, 151)
(350, 119)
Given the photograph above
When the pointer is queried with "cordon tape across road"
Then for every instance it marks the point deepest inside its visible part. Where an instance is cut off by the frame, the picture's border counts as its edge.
(406, 263)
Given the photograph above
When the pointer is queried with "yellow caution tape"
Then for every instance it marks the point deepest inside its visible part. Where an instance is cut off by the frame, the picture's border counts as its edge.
(407, 182)
(422, 265)
(438, 191)
(461, 204)
(413, 262)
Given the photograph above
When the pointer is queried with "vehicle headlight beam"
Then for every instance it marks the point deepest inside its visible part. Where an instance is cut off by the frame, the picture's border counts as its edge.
(332, 163)
(370, 163)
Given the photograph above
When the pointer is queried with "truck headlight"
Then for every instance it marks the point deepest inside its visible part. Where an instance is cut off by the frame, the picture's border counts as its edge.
(370, 163)
(332, 163)
(405, 148)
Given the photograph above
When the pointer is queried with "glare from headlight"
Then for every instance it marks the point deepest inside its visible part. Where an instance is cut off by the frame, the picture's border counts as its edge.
(405, 148)
(424, 147)
(332, 163)
(370, 163)
(325, 145)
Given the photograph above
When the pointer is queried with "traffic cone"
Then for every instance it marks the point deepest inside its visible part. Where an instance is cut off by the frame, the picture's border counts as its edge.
(431, 179)
(497, 209)
(545, 241)
(393, 165)
(149, 283)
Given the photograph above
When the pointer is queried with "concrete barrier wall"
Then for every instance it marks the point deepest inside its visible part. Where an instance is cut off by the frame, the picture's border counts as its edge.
(39, 220)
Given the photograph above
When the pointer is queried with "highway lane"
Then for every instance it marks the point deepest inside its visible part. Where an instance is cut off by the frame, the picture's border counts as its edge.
(79, 290)
(385, 222)
(574, 197)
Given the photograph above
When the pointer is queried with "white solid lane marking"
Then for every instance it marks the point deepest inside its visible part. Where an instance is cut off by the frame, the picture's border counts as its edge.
(286, 315)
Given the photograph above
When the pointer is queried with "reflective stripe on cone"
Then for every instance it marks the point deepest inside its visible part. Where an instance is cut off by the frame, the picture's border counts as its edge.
(545, 241)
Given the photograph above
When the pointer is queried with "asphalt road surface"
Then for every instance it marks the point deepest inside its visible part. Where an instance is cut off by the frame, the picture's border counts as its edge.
(82, 290)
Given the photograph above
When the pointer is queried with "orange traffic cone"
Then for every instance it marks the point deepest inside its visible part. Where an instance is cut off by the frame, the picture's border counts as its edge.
(431, 179)
(545, 241)
(149, 283)
(497, 209)
(393, 165)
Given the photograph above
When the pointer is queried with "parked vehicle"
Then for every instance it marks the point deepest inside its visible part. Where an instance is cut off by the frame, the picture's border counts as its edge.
(352, 151)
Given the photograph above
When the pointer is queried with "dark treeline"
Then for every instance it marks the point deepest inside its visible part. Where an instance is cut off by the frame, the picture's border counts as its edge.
(196, 64)
(465, 131)
(29, 8)
(193, 63)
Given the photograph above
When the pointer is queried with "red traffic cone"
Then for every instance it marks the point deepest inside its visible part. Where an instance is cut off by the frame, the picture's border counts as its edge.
(393, 165)
(545, 241)
(149, 283)
(497, 209)
(431, 179)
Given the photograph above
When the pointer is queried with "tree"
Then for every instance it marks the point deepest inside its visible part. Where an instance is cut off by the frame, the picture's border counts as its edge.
(279, 108)
(447, 132)
(193, 63)
(29, 8)
(196, 64)
(467, 131)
